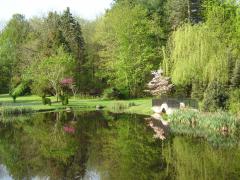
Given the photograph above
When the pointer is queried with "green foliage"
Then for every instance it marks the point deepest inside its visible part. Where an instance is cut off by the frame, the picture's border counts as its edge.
(122, 47)
(128, 54)
(19, 90)
(48, 73)
(197, 91)
(12, 38)
(234, 101)
(215, 97)
(72, 33)
(198, 56)
(111, 93)
(131, 104)
(25, 44)
(205, 124)
(64, 99)
(183, 11)
(9, 110)
(119, 107)
(177, 11)
(235, 81)
(114, 93)
(46, 101)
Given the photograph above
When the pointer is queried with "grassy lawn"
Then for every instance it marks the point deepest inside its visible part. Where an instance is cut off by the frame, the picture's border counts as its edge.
(138, 106)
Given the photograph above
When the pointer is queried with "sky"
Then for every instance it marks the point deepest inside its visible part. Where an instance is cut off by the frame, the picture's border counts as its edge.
(87, 9)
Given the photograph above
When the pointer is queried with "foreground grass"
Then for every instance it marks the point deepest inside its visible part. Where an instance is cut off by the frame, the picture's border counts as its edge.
(216, 127)
(137, 106)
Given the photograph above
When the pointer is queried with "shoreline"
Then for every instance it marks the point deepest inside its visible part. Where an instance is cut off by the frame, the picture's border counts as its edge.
(34, 104)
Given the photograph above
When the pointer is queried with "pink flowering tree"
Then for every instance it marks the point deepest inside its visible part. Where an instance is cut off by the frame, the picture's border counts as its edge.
(160, 84)
(70, 83)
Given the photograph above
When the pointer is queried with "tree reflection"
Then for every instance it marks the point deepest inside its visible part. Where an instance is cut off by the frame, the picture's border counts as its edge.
(106, 146)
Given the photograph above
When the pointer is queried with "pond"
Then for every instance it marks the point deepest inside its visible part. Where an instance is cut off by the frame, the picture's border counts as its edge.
(101, 145)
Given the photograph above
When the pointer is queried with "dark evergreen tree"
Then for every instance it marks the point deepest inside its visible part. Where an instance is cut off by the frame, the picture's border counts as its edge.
(51, 36)
(181, 11)
(72, 33)
(215, 97)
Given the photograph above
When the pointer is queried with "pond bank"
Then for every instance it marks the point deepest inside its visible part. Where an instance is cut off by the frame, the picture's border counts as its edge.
(218, 127)
(34, 103)
(186, 123)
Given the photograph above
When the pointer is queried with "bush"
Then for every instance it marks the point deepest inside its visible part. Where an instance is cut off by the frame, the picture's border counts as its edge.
(64, 100)
(234, 101)
(21, 89)
(131, 104)
(215, 97)
(46, 101)
(114, 93)
(111, 93)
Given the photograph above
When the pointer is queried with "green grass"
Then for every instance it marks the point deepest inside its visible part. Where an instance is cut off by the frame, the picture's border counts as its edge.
(15, 110)
(204, 123)
(138, 106)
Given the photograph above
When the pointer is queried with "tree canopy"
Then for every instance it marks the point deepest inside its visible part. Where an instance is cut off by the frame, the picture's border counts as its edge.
(195, 42)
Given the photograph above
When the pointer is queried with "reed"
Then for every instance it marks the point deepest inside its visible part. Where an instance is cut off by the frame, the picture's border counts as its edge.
(119, 107)
(15, 110)
(205, 123)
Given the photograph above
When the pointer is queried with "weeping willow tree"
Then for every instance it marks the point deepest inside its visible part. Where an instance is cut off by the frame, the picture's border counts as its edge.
(197, 55)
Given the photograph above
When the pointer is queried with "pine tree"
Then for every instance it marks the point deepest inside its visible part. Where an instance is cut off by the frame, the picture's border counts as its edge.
(181, 11)
(52, 37)
(73, 34)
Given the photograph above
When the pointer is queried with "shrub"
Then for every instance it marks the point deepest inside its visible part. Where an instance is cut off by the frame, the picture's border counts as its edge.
(111, 93)
(114, 93)
(64, 99)
(124, 94)
(14, 97)
(19, 90)
(131, 104)
(46, 101)
(215, 97)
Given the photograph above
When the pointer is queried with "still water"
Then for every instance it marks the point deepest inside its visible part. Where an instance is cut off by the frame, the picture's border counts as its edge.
(101, 145)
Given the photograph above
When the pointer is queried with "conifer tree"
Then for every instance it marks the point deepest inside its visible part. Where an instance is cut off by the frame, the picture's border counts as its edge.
(73, 35)
(51, 36)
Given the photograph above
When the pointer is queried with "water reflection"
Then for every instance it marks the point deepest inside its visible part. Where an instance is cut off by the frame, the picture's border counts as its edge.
(4, 173)
(101, 145)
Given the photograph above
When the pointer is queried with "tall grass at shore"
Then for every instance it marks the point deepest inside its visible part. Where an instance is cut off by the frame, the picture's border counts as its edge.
(218, 122)
(219, 128)
(15, 110)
